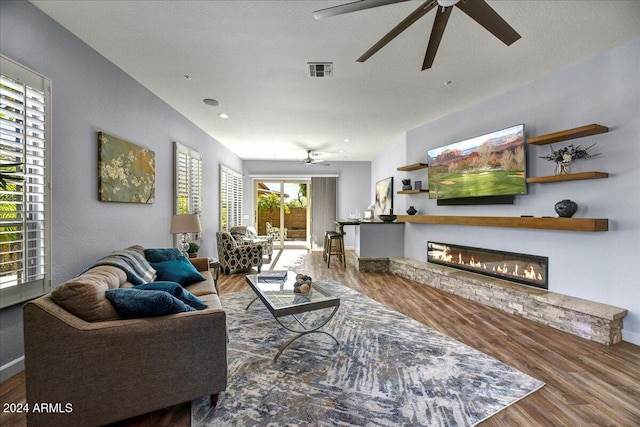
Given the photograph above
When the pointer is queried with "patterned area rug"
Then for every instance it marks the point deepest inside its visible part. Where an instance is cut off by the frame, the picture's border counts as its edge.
(388, 370)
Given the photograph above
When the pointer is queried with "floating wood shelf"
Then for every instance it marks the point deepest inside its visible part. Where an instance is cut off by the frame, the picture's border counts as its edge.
(567, 177)
(592, 129)
(412, 191)
(570, 224)
(413, 167)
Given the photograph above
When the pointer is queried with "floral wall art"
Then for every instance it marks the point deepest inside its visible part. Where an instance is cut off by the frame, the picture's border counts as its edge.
(126, 171)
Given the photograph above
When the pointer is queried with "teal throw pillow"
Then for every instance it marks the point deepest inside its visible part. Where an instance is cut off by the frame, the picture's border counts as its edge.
(178, 270)
(134, 303)
(162, 254)
(177, 291)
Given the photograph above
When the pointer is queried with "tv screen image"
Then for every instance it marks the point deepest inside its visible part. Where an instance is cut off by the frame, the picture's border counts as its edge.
(493, 164)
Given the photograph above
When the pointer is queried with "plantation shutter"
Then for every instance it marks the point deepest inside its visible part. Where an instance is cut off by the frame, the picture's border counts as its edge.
(230, 198)
(188, 182)
(25, 140)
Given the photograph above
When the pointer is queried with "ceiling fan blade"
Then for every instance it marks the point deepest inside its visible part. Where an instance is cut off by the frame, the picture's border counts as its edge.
(483, 14)
(406, 23)
(352, 7)
(440, 23)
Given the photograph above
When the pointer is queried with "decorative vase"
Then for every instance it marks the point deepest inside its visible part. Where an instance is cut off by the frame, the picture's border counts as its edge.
(406, 184)
(412, 210)
(566, 208)
(562, 168)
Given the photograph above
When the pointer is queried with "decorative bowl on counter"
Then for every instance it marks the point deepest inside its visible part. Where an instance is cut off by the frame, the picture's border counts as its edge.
(388, 218)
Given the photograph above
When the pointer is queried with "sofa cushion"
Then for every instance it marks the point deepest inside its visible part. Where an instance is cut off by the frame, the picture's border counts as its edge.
(177, 291)
(179, 270)
(135, 303)
(161, 254)
(84, 296)
(205, 287)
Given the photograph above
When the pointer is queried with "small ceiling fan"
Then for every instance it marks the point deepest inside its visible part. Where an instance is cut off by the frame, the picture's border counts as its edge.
(478, 10)
(311, 161)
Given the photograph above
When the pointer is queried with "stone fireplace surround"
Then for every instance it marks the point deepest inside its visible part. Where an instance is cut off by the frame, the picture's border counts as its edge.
(594, 321)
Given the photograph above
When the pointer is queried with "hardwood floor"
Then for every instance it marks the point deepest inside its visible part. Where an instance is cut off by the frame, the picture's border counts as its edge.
(586, 383)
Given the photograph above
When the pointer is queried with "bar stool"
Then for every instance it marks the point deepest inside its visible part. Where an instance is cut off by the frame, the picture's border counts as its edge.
(336, 247)
(326, 244)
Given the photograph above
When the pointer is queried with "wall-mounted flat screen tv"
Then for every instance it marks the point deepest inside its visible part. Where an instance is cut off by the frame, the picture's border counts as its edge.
(487, 165)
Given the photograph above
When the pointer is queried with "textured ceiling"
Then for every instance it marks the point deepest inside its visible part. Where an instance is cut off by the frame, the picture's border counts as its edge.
(251, 56)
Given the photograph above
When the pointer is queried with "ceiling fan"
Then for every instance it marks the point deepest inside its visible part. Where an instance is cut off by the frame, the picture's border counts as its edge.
(478, 10)
(311, 161)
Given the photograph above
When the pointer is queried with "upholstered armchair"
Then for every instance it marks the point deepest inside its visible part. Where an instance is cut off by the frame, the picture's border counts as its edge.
(247, 235)
(274, 232)
(234, 256)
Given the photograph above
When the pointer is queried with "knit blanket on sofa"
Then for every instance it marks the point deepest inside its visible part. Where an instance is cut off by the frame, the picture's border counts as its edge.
(132, 262)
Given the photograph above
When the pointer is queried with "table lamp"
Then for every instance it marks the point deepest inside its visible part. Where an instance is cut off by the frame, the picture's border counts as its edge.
(183, 225)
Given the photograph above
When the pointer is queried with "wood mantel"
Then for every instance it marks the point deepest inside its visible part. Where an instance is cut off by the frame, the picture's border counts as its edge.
(545, 223)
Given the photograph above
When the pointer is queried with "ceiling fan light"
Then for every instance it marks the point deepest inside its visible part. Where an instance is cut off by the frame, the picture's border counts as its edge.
(447, 3)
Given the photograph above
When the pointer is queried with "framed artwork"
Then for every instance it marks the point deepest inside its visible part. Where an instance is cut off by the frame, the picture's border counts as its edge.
(384, 197)
(126, 172)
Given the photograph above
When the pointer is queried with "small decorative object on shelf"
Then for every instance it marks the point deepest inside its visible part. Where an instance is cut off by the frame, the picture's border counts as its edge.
(406, 184)
(387, 218)
(302, 285)
(564, 156)
(417, 185)
(566, 208)
(411, 210)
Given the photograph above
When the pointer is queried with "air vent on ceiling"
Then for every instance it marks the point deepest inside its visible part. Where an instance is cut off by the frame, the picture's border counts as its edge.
(320, 69)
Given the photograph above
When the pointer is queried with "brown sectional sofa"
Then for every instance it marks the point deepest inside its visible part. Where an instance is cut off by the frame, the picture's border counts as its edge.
(89, 366)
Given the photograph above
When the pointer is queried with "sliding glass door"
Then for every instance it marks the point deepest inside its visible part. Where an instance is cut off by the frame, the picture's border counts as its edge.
(282, 211)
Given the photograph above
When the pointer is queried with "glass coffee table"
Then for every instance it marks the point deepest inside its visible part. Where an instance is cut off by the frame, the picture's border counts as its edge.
(277, 295)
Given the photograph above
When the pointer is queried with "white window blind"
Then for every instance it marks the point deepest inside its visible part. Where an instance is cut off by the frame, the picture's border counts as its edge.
(188, 181)
(230, 198)
(25, 110)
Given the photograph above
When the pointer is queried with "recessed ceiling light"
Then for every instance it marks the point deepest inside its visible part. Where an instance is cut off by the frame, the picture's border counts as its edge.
(211, 102)
(347, 140)
(223, 116)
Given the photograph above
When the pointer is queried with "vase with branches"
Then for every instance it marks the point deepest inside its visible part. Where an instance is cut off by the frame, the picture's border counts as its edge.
(565, 155)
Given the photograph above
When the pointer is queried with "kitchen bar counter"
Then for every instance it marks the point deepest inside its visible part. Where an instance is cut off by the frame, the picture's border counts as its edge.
(353, 221)
(375, 242)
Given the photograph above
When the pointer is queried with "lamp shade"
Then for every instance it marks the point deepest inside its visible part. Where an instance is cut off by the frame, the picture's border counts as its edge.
(185, 224)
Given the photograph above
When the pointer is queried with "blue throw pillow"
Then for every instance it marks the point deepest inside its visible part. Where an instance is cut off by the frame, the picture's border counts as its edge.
(178, 270)
(133, 303)
(177, 291)
(159, 255)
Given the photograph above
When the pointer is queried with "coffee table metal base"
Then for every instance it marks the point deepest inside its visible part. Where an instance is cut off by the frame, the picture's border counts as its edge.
(301, 332)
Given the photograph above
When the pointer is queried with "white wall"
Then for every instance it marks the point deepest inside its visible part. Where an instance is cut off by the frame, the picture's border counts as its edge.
(386, 165)
(596, 266)
(90, 94)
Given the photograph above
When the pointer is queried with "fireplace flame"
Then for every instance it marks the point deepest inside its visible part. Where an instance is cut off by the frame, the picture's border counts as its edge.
(510, 268)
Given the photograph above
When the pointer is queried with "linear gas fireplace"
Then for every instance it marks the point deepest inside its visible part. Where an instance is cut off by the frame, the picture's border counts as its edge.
(531, 270)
